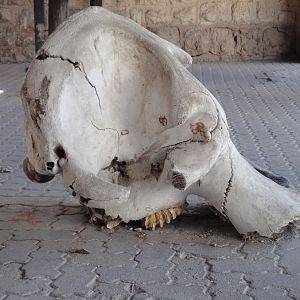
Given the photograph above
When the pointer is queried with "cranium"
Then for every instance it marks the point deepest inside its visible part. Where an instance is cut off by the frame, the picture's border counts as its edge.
(113, 108)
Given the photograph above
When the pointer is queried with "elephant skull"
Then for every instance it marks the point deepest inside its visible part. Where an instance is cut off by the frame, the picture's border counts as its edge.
(113, 108)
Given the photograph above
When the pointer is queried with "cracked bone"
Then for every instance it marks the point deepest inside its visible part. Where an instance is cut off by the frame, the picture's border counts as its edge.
(113, 108)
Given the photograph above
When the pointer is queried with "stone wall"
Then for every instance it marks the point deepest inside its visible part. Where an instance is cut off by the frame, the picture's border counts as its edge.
(207, 29)
(219, 29)
(16, 30)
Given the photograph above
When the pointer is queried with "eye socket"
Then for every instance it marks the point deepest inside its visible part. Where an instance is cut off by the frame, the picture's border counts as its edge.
(60, 152)
(50, 165)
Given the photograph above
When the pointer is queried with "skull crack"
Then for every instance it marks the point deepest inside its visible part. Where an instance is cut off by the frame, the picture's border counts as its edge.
(113, 129)
(227, 191)
(43, 55)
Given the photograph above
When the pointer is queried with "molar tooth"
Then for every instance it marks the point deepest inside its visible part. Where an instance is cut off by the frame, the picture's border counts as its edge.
(153, 221)
(157, 216)
(178, 210)
(168, 216)
(173, 213)
(161, 220)
(147, 221)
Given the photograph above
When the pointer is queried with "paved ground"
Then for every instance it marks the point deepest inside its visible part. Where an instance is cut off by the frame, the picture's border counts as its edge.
(49, 251)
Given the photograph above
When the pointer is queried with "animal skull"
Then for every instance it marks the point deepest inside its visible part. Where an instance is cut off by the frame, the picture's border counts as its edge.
(112, 107)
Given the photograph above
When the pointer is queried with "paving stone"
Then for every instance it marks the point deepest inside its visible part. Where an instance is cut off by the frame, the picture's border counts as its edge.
(43, 235)
(95, 248)
(289, 244)
(178, 291)
(75, 279)
(128, 272)
(114, 291)
(227, 286)
(70, 222)
(93, 232)
(17, 251)
(142, 296)
(270, 293)
(283, 281)
(26, 217)
(259, 248)
(98, 257)
(212, 250)
(289, 260)
(44, 263)
(154, 255)
(123, 240)
(5, 235)
(244, 265)
(14, 281)
(186, 269)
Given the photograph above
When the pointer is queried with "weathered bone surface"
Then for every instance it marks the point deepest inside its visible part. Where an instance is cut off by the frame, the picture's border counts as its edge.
(112, 107)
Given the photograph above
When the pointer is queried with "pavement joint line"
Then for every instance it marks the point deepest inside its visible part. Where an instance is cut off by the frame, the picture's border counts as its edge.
(64, 257)
(208, 270)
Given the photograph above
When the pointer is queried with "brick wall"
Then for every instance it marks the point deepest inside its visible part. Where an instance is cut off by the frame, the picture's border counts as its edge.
(207, 29)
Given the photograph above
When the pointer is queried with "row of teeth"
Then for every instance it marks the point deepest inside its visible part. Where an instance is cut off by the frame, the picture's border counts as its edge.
(150, 222)
(161, 218)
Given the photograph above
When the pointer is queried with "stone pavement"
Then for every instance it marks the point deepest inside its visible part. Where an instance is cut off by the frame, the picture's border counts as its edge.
(48, 250)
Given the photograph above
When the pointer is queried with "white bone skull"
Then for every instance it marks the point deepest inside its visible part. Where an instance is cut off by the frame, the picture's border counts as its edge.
(112, 107)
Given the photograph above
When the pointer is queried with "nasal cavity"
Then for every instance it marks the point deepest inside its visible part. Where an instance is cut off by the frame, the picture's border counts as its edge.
(50, 165)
